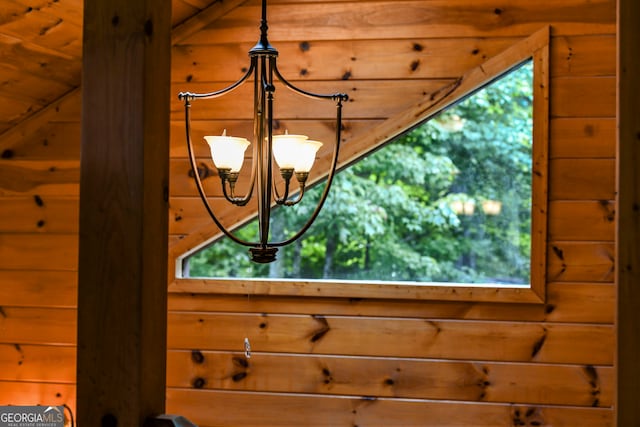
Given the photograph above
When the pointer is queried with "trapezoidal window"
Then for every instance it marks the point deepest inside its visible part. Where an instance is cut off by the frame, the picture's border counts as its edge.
(447, 203)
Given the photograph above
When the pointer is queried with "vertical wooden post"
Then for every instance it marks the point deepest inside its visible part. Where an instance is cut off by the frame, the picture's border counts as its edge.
(628, 211)
(122, 278)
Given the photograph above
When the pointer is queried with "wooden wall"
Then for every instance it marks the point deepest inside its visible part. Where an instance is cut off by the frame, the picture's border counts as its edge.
(351, 362)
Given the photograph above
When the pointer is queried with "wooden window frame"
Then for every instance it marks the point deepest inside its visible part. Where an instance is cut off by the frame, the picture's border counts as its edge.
(535, 48)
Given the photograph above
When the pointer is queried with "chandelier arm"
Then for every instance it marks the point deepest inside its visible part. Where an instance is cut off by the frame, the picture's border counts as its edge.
(325, 192)
(342, 97)
(281, 200)
(210, 95)
(298, 199)
(243, 200)
(231, 198)
(196, 175)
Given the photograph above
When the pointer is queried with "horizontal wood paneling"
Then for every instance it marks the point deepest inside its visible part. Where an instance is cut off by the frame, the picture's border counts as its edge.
(346, 60)
(389, 337)
(31, 393)
(582, 179)
(591, 138)
(583, 97)
(37, 363)
(38, 288)
(54, 141)
(580, 262)
(410, 19)
(61, 178)
(55, 252)
(368, 99)
(583, 56)
(54, 326)
(566, 302)
(211, 408)
(38, 214)
(582, 221)
(401, 378)
(384, 377)
(440, 363)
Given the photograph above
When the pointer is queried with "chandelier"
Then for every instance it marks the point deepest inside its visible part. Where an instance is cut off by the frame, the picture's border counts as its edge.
(293, 154)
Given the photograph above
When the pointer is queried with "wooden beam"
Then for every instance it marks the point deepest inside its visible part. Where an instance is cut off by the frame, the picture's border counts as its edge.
(628, 214)
(122, 273)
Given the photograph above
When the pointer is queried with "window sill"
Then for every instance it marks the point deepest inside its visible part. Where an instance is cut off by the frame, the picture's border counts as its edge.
(360, 289)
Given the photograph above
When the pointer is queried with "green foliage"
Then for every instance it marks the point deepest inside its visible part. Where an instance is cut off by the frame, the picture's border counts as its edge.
(391, 215)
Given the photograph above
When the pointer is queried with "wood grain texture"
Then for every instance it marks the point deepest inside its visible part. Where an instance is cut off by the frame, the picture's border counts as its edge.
(122, 256)
(400, 378)
(566, 302)
(628, 215)
(230, 409)
(345, 45)
(424, 338)
(411, 19)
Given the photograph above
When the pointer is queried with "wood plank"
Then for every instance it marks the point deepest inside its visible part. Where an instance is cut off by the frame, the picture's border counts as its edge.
(22, 86)
(55, 289)
(583, 97)
(360, 289)
(580, 303)
(566, 302)
(51, 141)
(368, 99)
(53, 326)
(582, 179)
(442, 339)
(222, 409)
(400, 378)
(411, 19)
(45, 30)
(581, 262)
(583, 56)
(29, 214)
(43, 364)
(182, 10)
(582, 221)
(14, 110)
(628, 211)
(42, 62)
(421, 58)
(380, 377)
(64, 107)
(69, 10)
(28, 393)
(59, 178)
(54, 252)
(583, 138)
(213, 302)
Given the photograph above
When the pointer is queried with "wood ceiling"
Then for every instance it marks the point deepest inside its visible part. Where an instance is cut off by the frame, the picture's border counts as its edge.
(41, 52)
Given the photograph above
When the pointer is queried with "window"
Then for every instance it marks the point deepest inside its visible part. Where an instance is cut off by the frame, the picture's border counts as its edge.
(449, 202)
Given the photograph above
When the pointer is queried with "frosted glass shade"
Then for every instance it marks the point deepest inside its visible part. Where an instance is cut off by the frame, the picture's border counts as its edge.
(286, 149)
(307, 156)
(295, 152)
(227, 152)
